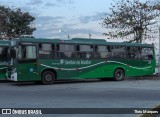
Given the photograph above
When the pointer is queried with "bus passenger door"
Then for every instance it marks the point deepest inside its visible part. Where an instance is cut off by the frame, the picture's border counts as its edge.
(27, 63)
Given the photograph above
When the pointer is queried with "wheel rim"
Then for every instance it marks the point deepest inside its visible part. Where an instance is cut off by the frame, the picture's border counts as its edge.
(119, 74)
(48, 77)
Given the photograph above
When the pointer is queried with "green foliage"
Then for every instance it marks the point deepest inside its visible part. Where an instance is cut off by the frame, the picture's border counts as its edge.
(131, 18)
(14, 23)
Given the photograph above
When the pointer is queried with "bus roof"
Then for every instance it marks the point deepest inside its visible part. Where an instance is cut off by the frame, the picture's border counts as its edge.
(82, 41)
(5, 42)
(40, 40)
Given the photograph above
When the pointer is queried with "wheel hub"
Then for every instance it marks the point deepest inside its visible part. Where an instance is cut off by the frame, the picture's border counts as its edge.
(48, 77)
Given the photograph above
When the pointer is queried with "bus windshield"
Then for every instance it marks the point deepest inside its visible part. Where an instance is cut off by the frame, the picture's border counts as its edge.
(3, 53)
(11, 55)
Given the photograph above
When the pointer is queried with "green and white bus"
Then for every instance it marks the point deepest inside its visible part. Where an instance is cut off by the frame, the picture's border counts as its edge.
(5, 45)
(48, 60)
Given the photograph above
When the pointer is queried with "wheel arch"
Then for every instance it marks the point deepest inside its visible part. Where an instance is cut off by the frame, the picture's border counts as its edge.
(120, 68)
(49, 69)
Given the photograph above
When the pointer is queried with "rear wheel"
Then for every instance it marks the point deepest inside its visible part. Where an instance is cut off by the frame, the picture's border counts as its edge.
(48, 77)
(118, 75)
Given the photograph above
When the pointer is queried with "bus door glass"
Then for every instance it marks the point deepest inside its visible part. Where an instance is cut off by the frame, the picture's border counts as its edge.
(27, 62)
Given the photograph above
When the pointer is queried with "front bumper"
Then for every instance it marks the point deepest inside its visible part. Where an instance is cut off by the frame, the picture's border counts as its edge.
(12, 77)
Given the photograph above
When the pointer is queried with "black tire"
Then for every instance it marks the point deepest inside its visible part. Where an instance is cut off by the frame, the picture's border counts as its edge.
(119, 75)
(48, 77)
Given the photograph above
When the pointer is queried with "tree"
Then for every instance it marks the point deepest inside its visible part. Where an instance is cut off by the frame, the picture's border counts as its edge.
(14, 23)
(131, 18)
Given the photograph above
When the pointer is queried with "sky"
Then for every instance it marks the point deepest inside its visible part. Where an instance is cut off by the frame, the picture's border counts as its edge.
(77, 18)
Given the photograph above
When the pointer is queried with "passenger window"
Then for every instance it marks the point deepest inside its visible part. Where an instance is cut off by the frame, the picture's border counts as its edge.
(118, 52)
(46, 50)
(85, 52)
(65, 51)
(134, 52)
(102, 52)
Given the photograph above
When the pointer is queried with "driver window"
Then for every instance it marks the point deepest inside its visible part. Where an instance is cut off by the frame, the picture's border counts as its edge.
(27, 52)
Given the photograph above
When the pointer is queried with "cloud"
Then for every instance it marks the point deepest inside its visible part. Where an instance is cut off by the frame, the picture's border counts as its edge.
(82, 30)
(59, 3)
(49, 4)
(35, 2)
(48, 26)
(48, 23)
(45, 32)
(65, 1)
(52, 31)
(87, 19)
(49, 19)
(73, 29)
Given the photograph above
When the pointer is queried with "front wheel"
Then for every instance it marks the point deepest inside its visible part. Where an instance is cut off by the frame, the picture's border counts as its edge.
(118, 75)
(48, 77)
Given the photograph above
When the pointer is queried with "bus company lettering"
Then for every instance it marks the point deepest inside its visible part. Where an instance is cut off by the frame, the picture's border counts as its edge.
(72, 62)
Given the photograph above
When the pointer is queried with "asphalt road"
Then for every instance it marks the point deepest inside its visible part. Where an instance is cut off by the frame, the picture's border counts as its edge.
(132, 93)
